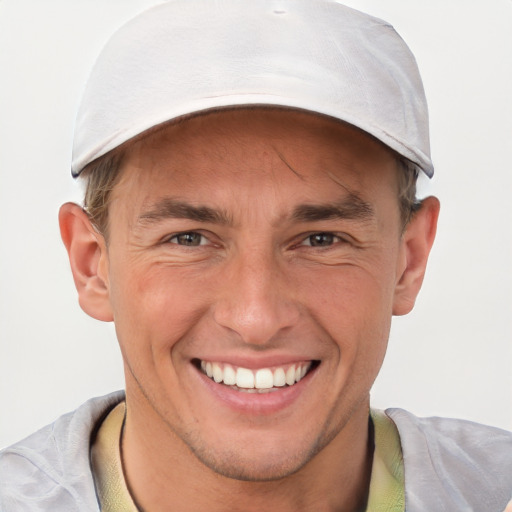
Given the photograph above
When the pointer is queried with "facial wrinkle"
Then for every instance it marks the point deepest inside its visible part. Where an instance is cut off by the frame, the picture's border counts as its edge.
(282, 158)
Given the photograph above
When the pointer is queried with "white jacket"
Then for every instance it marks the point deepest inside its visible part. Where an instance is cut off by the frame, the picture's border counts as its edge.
(450, 465)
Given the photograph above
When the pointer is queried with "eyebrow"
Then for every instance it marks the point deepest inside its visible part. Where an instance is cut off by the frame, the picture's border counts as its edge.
(351, 207)
(170, 208)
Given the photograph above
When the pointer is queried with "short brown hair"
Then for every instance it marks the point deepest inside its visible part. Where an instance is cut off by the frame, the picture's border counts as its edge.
(100, 178)
(407, 179)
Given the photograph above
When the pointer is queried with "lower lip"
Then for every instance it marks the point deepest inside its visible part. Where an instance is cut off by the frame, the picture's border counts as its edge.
(256, 403)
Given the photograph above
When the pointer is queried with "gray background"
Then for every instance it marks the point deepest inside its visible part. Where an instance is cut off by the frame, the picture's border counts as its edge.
(451, 356)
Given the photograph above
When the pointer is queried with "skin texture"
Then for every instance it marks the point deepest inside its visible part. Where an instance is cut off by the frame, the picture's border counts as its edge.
(300, 257)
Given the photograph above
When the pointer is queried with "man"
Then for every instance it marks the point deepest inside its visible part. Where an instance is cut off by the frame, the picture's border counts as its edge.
(250, 226)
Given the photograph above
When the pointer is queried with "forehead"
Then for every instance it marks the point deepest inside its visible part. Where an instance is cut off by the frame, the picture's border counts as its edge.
(229, 150)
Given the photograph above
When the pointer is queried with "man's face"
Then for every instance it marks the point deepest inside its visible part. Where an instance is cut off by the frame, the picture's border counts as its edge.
(257, 245)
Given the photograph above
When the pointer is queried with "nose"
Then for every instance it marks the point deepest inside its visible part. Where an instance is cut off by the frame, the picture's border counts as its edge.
(256, 300)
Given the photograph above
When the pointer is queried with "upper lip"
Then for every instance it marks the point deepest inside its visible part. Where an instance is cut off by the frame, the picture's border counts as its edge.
(255, 363)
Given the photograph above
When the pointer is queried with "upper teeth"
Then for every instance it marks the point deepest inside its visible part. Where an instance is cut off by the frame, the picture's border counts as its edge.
(264, 378)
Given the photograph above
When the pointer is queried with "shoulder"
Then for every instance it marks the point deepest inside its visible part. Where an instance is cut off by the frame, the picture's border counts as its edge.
(454, 464)
(50, 469)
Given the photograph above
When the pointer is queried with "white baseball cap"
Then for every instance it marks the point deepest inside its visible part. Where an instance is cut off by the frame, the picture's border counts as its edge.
(188, 56)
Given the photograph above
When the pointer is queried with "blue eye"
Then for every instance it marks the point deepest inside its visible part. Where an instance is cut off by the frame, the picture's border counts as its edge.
(190, 239)
(321, 240)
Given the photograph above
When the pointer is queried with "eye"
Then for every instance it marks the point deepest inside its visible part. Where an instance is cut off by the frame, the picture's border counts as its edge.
(321, 240)
(190, 239)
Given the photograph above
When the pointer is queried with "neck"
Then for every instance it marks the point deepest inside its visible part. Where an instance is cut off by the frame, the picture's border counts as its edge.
(163, 474)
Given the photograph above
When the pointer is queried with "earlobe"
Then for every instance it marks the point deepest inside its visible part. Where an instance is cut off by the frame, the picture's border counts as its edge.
(88, 259)
(416, 244)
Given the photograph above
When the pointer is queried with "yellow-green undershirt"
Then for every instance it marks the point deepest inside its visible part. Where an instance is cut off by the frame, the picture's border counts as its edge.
(386, 485)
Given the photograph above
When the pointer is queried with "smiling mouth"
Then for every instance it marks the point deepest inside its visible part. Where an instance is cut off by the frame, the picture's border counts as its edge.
(262, 380)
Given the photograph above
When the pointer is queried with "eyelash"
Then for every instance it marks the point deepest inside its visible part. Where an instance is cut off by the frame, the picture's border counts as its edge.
(185, 234)
(308, 241)
(332, 239)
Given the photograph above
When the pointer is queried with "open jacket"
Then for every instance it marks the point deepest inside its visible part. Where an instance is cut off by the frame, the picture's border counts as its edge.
(450, 465)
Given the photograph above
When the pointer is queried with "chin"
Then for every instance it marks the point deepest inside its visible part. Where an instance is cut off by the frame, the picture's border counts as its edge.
(257, 461)
(251, 469)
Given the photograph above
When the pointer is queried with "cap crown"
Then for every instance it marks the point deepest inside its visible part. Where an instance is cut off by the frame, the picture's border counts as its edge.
(187, 56)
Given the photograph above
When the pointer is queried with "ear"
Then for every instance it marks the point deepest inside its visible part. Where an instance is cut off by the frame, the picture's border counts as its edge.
(89, 261)
(415, 248)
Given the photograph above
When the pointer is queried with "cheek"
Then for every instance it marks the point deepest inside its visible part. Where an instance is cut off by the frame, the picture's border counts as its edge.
(154, 307)
(353, 305)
